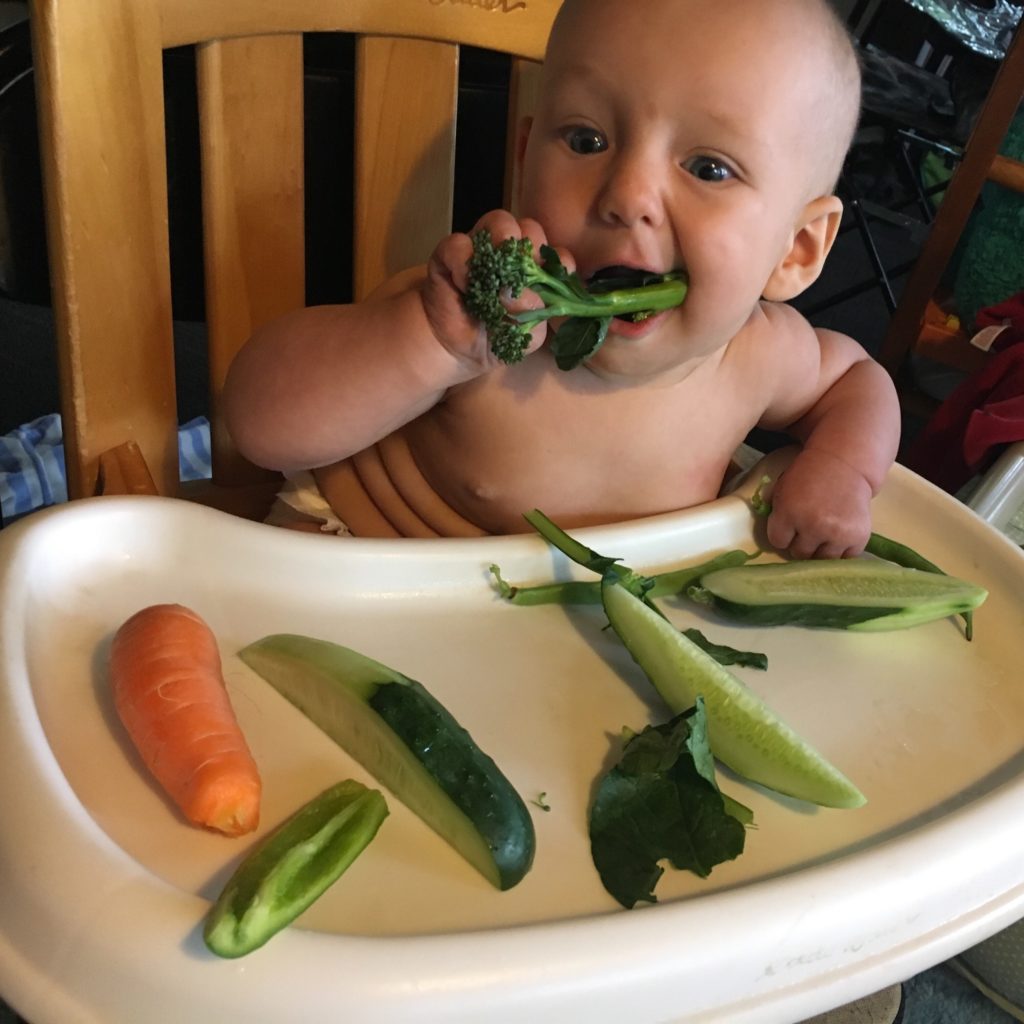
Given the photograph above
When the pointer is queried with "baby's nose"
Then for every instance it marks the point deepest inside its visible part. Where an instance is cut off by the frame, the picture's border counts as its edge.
(632, 194)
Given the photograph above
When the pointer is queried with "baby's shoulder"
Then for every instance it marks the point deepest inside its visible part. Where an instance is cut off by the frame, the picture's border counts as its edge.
(781, 323)
(776, 343)
(776, 337)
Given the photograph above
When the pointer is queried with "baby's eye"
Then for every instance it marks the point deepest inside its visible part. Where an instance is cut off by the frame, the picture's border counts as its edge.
(709, 168)
(584, 140)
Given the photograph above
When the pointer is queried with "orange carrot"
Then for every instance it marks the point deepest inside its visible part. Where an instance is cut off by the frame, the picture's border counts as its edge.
(169, 692)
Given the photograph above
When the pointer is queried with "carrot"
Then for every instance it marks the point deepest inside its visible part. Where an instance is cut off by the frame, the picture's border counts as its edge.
(169, 692)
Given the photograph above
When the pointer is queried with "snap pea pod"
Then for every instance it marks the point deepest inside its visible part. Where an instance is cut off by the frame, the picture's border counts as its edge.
(565, 592)
(582, 592)
(901, 554)
(292, 867)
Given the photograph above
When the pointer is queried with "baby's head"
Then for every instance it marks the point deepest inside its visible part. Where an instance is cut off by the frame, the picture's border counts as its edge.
(705, 135)
(812, 64)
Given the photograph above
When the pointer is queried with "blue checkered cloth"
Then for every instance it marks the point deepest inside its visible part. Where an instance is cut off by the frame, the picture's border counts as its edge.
(32, 463)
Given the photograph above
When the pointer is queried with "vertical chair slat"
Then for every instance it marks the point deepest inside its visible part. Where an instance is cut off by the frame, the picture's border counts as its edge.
(251, 135)
(406, 94)
(523, 90)
(114, 306)
(100, 88)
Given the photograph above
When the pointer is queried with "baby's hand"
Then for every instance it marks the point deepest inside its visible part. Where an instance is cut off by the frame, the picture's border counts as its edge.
(459, 332)
(821, 508)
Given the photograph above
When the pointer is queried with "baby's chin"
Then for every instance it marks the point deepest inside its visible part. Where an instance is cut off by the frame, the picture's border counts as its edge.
(628, 360)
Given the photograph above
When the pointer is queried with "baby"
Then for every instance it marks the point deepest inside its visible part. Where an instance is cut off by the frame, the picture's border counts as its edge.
(697, 135)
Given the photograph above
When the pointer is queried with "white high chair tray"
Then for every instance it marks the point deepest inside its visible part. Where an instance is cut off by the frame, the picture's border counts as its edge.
(104, 887)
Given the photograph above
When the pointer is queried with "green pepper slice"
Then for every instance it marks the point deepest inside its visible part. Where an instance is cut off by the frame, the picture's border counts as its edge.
(292, 867)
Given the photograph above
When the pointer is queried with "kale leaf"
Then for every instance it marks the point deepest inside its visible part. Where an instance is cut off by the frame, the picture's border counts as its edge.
(661, 802)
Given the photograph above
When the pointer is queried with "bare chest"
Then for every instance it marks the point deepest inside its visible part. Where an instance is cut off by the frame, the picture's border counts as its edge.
(582, 456)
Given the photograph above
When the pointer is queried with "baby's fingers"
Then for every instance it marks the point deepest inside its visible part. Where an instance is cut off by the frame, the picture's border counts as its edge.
(815, 536)
(501, 225)
(450, 258)
(532, 230)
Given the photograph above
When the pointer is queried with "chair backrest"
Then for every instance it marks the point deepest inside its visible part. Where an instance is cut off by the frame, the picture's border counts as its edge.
(101, 111)
(982, 162)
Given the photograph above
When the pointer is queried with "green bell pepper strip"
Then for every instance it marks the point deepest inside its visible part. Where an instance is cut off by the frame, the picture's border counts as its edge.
(292, 867)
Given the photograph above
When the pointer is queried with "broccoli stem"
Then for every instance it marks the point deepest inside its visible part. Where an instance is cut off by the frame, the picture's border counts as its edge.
(666, 584)
(649, 298)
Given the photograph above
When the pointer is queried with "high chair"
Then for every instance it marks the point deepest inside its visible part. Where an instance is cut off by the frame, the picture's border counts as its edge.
(101, 112)
(101, 109)
(920, 325)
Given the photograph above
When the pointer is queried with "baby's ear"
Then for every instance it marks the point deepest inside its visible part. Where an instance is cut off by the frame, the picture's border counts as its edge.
(815, 232)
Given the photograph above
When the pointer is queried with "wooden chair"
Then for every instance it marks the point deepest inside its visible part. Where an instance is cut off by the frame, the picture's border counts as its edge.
(919, 324)
(101, 110)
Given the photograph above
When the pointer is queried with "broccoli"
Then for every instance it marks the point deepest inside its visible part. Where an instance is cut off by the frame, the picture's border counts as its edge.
(511, 267)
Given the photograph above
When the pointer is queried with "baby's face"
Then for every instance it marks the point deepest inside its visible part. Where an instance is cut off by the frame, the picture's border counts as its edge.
(678, 133)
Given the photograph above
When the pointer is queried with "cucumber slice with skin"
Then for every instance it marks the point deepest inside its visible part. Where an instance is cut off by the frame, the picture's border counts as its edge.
(410, 743)
(743, 732)
(292, 867)
(866, 595)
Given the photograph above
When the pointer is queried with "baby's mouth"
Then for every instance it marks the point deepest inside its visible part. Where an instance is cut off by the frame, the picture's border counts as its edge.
(617, 278)
(614, 278)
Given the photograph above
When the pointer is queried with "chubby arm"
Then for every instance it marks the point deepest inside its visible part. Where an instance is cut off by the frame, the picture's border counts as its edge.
(849, 429)
(321, 383)
(318, 384)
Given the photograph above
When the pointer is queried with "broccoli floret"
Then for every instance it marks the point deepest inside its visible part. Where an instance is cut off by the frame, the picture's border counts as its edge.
(511, 267)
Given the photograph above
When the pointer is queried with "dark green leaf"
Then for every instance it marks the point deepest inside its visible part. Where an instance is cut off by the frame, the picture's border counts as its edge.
(578, 339)
(551, 264)
(622, 280)
(821, 616)
(724, 654)
(662, 802)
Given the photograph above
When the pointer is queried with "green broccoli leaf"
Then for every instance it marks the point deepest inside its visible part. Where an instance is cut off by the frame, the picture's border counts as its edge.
(578, 339)
(661, 802)
(726, 655)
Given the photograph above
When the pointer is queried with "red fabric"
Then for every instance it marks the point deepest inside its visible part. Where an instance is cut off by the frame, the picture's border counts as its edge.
(985, 412)
(1009, 312)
